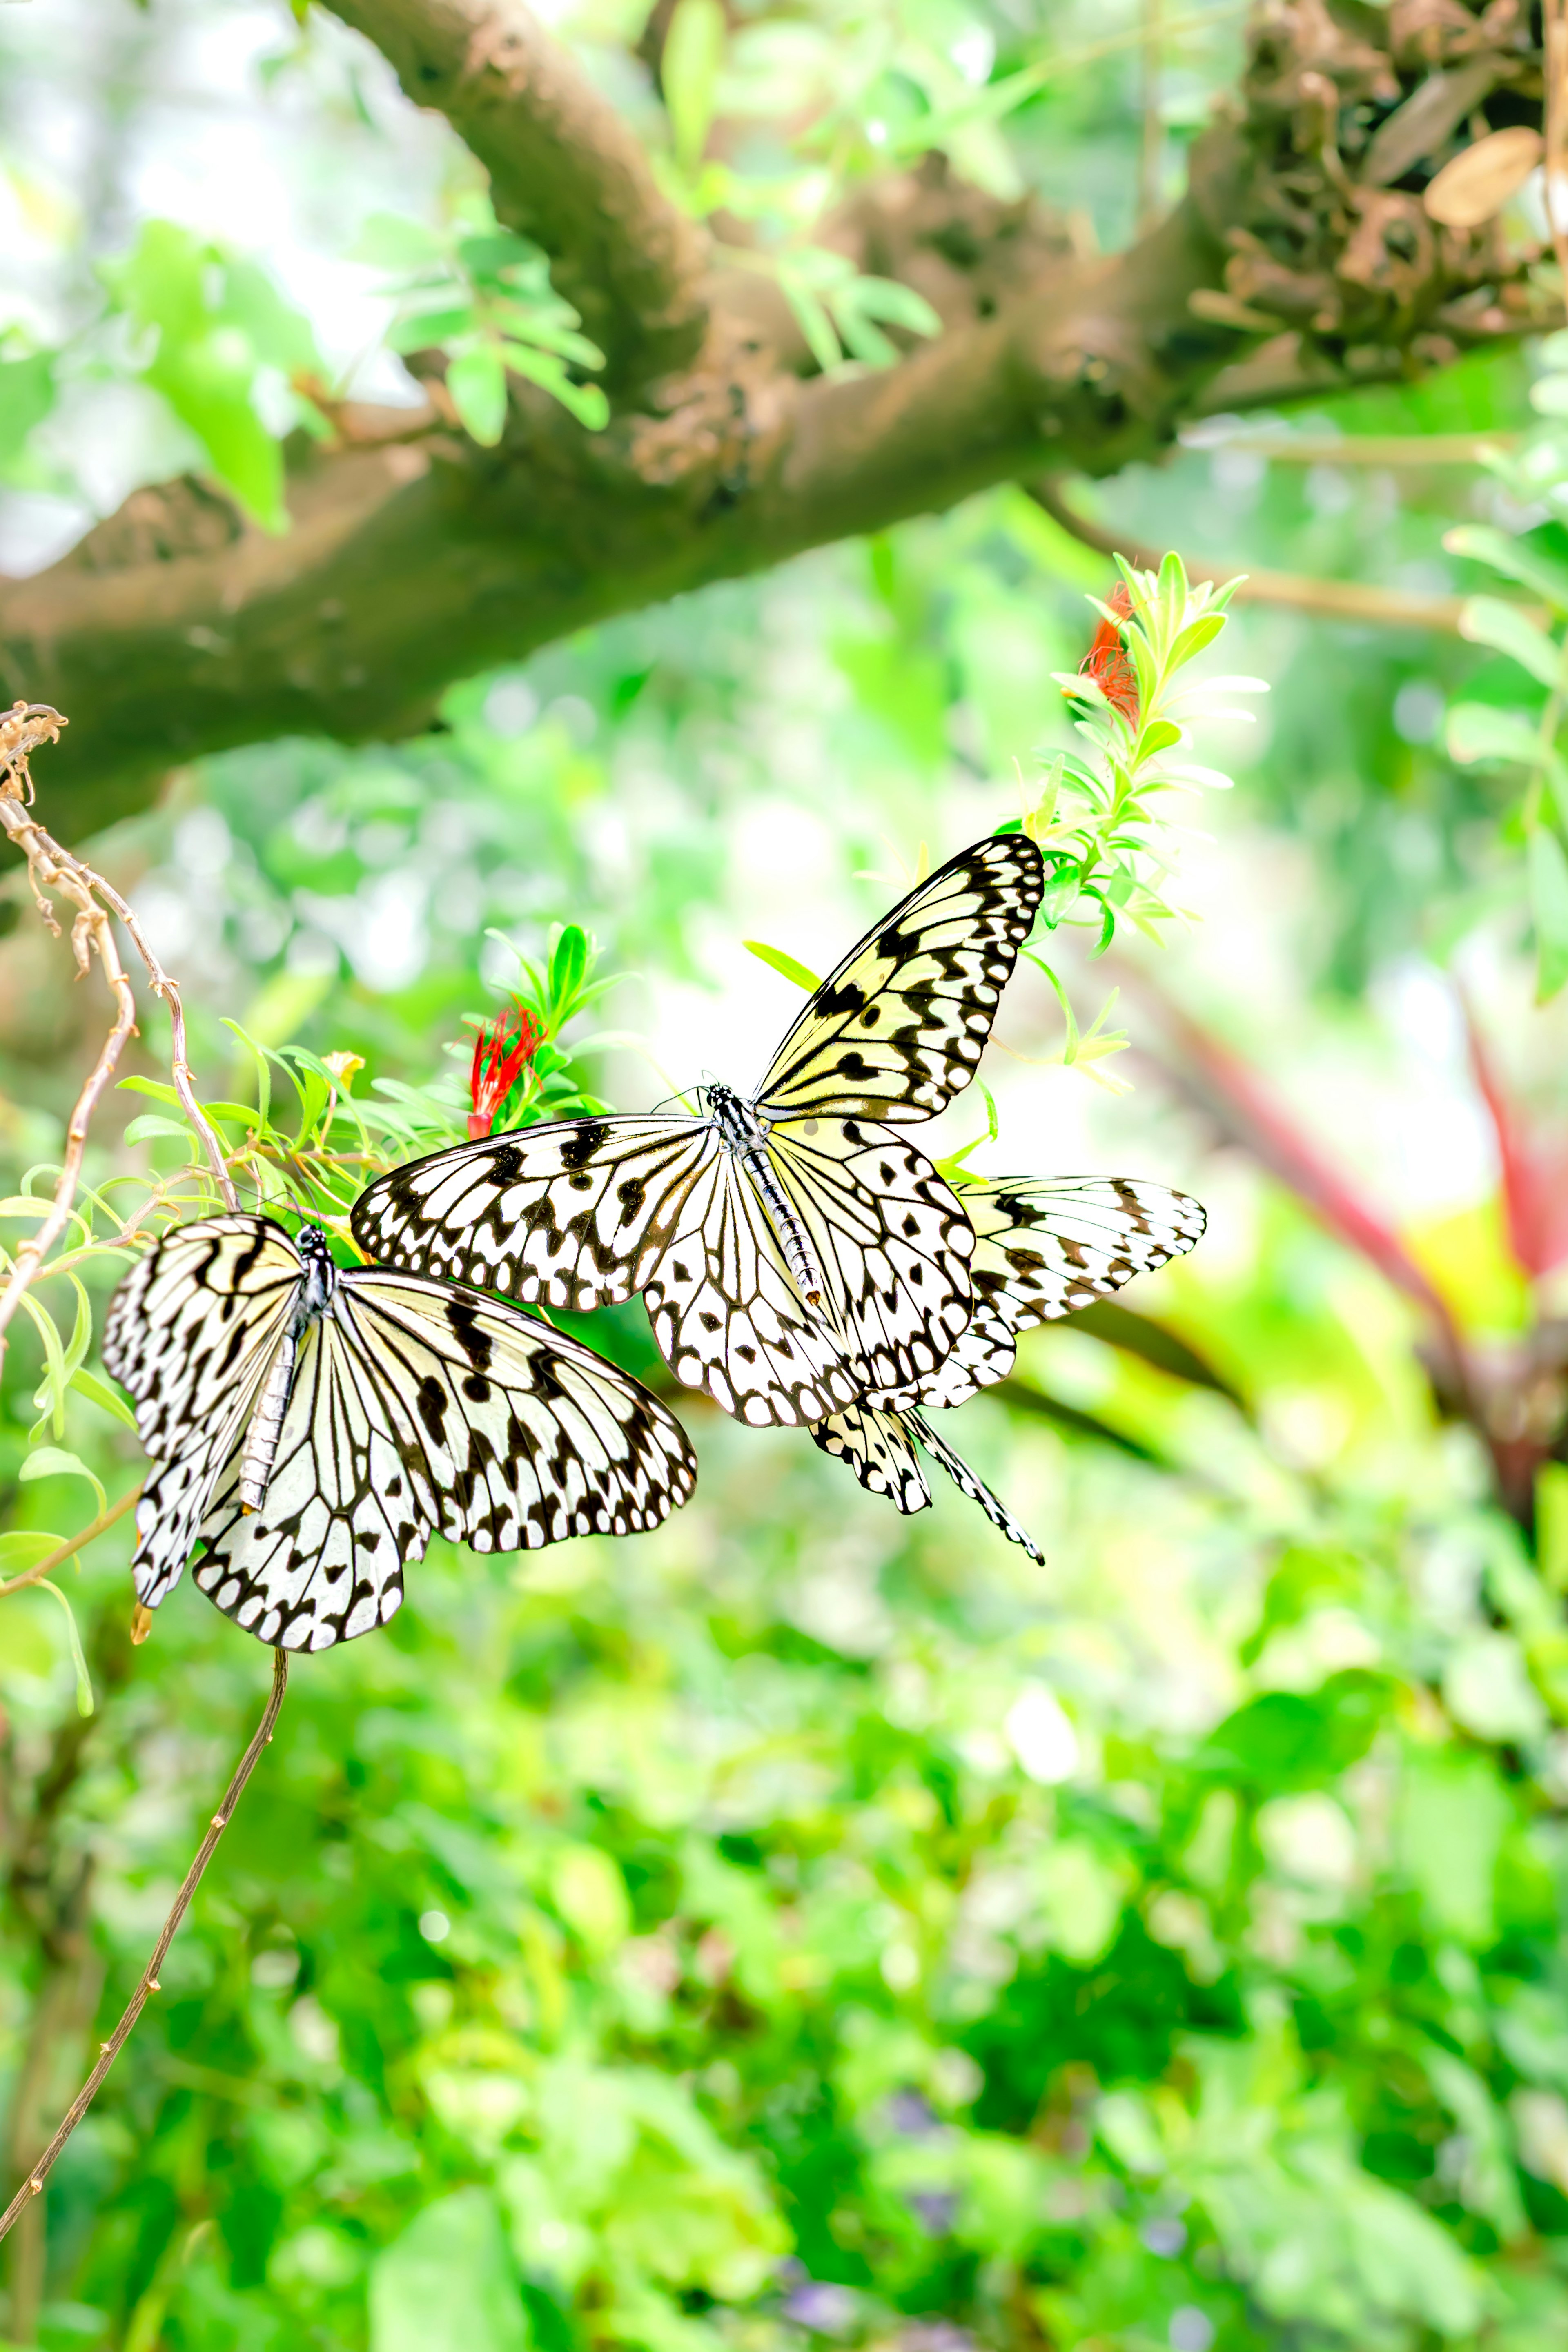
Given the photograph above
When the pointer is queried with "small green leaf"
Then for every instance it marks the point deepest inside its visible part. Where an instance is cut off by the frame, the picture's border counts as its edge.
(802, 974)
(54, 1462)
(568, 965)
(387, 241)
(157, 1087)
(1514, 558)
(1476, 732)
(690, 66)
(83, 1680)
(99, 1393)
(1548, 869)
(150, 1123)
(23, 1547)
(1488, 621)
(476, 381)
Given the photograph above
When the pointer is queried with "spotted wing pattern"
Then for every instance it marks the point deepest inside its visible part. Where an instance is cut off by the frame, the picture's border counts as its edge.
(574, 1212)
(729, 1318)
(899, 1026)
(1047, 1245)
(965, 1480)
(190, 1334)
(876, 1447)
(419, 1405)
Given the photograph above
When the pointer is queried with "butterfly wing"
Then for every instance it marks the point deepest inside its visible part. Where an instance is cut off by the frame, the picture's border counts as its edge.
(729, 1318)
(422, 1405)
(900, 1025)
(891, 1239)
(876, 1447)
(190, 1333)
(1045, 1246)
(967, 1483)
(574, 1212)
(186, 1326)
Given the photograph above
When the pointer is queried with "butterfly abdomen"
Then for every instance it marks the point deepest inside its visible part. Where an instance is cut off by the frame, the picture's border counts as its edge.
(267, 1422)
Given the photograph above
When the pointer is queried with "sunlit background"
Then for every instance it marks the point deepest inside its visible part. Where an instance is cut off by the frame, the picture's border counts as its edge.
(803, 1927)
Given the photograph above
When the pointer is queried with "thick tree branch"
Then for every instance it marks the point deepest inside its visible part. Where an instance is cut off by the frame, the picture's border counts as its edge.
(564, 169)
(1301, 262)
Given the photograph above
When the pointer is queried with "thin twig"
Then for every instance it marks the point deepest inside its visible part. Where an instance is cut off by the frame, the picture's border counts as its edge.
(1554, 31)
(33, 2185)
(74, 1544)
(50, 867)
(1390, 449)
(1337, 600)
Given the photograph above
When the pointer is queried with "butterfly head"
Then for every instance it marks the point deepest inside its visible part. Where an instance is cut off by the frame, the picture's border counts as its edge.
(320, 1270)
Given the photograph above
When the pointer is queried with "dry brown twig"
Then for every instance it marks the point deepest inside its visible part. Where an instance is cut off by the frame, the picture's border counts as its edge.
(49, 868)
(109, 2050)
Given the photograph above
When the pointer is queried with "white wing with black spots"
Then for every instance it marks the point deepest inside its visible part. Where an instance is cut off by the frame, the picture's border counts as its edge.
(900, 1025)
(1047, 1245)
(416, 1405)
(876, 1447)
(967, 1483)
(574, 1212)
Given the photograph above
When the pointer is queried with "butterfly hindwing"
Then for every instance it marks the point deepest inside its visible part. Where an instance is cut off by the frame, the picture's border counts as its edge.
(574, 1212)
(1045, 1246)
(876, 1447)
(891, 1237)
(967, 1483)
(900, 1025)
(729, 1319)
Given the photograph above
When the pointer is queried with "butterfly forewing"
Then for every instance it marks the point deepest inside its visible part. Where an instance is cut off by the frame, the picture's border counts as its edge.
(900, 1025)
(876, 1447)
(574, 1212)
(188, 1324)
(890, 1238)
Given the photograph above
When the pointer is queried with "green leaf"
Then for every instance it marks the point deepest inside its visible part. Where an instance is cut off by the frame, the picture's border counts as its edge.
(150, 1123)
(476, 381)
(568, 965)
(802, 974)
(1452, 1816)
(1283, 1739)
(99, 1393)
(1548, 873)
(422, 329)
(54, 1462)
(447, 2283)
(83, 1680)
(1488, 621)
(388, 241)
(1514, 558)
(1476, 732)
(23, 1547)
(585, 402)
(27, 396)
(689, 72)
(160, 1090)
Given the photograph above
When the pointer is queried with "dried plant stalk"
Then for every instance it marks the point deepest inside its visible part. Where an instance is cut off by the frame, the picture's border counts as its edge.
(109, 2050)
(49, 868)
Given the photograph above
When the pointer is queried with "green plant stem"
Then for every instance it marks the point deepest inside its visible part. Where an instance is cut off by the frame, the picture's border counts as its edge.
(73, 1544)
(38, 2173)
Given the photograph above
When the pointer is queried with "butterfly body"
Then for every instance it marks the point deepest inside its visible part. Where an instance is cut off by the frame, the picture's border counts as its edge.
(794, 1250)
(745, 1135)
(317, 1283)
(311, 1427)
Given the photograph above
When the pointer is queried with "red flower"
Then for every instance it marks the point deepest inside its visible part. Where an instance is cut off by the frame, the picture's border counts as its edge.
(1109, 663)
(502, 1051)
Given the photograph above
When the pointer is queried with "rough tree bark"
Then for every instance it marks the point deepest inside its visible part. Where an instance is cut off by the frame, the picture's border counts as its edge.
(1300, 260)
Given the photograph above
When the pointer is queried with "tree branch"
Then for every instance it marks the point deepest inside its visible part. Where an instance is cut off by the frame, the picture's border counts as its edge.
(1334, 600)
(564, 169)
(1294, 269)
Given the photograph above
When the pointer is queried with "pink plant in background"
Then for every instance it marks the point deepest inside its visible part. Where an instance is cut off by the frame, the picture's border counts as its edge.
(502, 1051)
(1534, 1159)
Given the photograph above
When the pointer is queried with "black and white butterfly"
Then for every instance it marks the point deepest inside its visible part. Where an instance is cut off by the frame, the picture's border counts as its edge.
(311, 1426)
(1045, 1246)
(795, 1252)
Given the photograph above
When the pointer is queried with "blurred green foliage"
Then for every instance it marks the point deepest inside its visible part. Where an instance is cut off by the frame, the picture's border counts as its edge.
(804, 1927)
